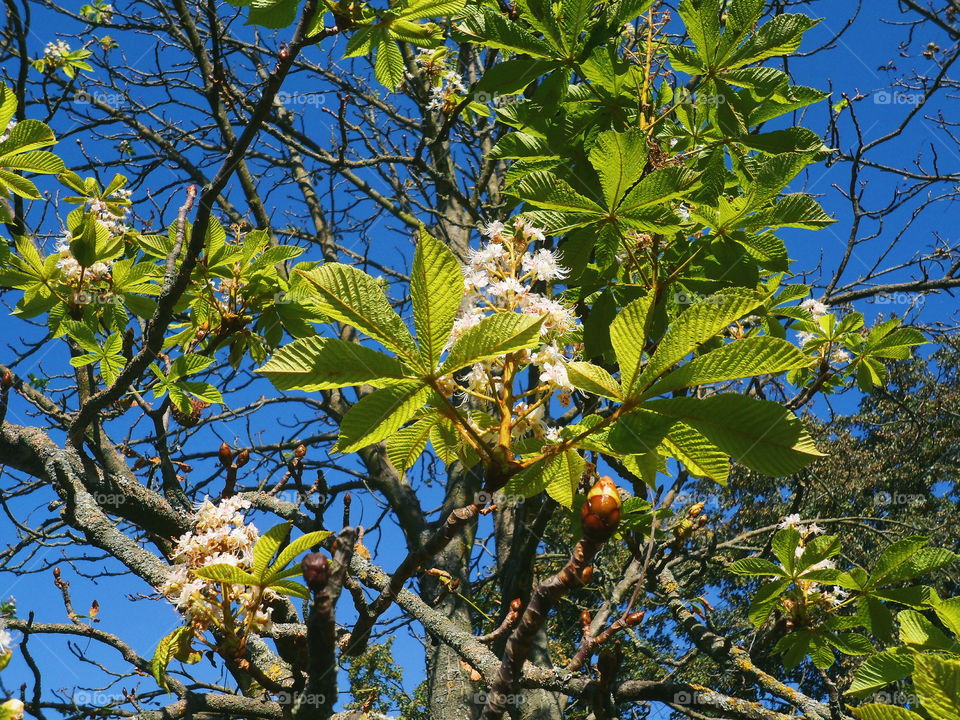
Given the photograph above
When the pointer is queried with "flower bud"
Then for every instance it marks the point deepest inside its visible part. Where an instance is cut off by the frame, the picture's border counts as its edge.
(600, 512)
(634, 618)
(225, 454)
(12, 709)
(316, 571)
(243, 457)
(300, 452)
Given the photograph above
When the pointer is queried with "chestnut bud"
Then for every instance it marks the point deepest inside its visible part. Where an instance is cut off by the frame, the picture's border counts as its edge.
(634, 618)
(600, 512)
(6, 380)
(243, 457)
(316, 571)
(225, 454)
(300, 452)
(516, 604)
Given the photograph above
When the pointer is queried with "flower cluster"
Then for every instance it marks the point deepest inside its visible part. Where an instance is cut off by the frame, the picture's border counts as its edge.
(500, 277)
(446, 84)
(9, 129)
(831, 598)
(55, 52)
(111, 215)
(221, 535)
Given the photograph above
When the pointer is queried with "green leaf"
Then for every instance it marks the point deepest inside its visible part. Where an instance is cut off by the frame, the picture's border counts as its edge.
(407, 444)
(755, 566)
(267, 547)
(619, 159)
(380, 414)
(166, 649)
(289, 587)
(319, 363)
(784, 546)
(301, 544)
(546, 190)
(880, 670)
(224, 572)
(949, 613)
(495, 335)
(593, 379)
(436, 289)
(780, 36)
(876, 711)
(893, 556)
(388, 65)
(765, 599)
(937, 681)
(353, 297)
(745, 358)
(921, 634)
(488, 27)
(628, 334)
(760, 434)
(695, 325)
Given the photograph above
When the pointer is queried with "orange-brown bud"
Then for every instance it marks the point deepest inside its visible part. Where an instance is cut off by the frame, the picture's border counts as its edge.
(634, 618)
(516, 604)
(585, 619)
(316, 571)
(600, 512)
(300, 452)
(695, 509)
(225, 454)
(6, 380)
(587, 574)
(243, 457)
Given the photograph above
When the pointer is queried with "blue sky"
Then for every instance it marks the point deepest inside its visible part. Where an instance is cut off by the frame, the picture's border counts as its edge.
(851, 67)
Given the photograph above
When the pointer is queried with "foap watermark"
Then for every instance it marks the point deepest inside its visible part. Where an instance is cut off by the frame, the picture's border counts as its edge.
(896, 498)
(299, 497)
(898, 298)
(287, 697)
(900, 699)
(689, 697)
(84, 297)
(688, 297)
(501, 499)
(502, 699)
(109, 499)
(313, 99)
(885, 97)
(99, 97)
(97, 698)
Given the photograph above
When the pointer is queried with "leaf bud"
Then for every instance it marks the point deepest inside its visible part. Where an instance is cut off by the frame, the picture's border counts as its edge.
(316, 571)
(600, 512)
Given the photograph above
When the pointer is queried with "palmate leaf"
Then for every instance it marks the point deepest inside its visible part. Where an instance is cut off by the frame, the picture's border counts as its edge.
(301, 544)
(495, 335)
(388, 66)
(167, 648)
(319, 363)
(877, 711)
(880, 670)
(380, 414)
(436, 289)
(759, 434)
(593, 379)
(937, 681)
(700, 456)
(267, 546)
(488, 27)
(697, 324)
(224, 572)
(407, 444)
(351, 296)
(628, 333)
(619, 160)
(749, 357)
(545, 190)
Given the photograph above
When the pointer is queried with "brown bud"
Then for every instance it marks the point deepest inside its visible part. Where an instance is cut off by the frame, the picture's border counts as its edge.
(585, 619)
(316, 571)
(225, 454)
(634, 618)
(702, 520)
(300, 452)
(695, 509)
(516, 604)
(243, 457)
(600, 512)
(6, 380)
(587, 574)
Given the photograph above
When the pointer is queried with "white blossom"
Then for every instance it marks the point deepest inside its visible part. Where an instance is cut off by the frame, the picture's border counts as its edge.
(814, 307)
(790, 521)
(6, 641)
(56, 51)
(544, 265)
(840, 356)
(492, 229)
